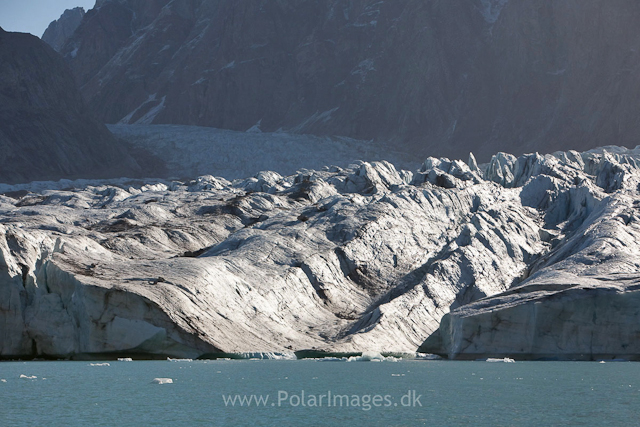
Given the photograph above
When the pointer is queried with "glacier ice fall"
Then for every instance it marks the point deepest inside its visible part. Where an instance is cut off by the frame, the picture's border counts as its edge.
(529, 257)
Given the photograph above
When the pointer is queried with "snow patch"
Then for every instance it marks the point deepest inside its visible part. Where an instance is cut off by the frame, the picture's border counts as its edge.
(316, 117)
(193, 42)
(490, 9)
(148, 118)
(370, 17)
(229, 66)
(364, 68)
(150, 115)
(255, 128)
(127, 119)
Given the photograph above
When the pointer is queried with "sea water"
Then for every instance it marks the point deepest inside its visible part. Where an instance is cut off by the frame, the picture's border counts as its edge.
(318, 393)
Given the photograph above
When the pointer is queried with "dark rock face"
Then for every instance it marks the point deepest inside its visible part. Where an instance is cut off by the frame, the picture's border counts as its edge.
(58, 32)
(436, 77)
(46, 132)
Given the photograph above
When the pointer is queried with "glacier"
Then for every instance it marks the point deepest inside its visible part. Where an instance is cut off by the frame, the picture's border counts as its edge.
(189, 151)
(527, 257)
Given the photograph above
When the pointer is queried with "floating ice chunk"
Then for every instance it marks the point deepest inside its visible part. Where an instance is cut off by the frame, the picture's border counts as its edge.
(26, 377)
(269, 356)
(367, 356)
(372, 356)
(427, 356)
(162, 381)
(3, 381)
(125, 359)
(179, 360)
(333, 359)
(99, 364)
(505, 360)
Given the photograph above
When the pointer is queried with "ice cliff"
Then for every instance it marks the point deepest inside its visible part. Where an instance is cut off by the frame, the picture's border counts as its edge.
(530, 255)
(580, 299)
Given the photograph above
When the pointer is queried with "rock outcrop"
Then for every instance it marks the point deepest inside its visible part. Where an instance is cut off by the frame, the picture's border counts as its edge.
(434, 78)
(46, 131)
(339, 260)
(58, 32)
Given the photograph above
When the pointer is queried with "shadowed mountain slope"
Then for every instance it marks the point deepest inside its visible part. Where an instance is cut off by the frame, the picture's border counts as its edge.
(46, 131)
(433, 77)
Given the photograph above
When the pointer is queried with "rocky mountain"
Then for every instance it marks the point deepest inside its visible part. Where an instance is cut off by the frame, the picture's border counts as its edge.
(46, 130)
(58, 32)
(429, 77)
(523, 257)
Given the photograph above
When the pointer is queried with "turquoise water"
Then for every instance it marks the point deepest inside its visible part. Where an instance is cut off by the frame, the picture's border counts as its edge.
(446, 393)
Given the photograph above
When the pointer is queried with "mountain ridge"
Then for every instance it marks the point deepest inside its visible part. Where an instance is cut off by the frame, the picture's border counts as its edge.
(46, 131)
(59, 31)
(438, 78)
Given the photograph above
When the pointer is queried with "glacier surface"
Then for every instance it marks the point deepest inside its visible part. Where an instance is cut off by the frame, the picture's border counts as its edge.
(521, 253)
(190, 151)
